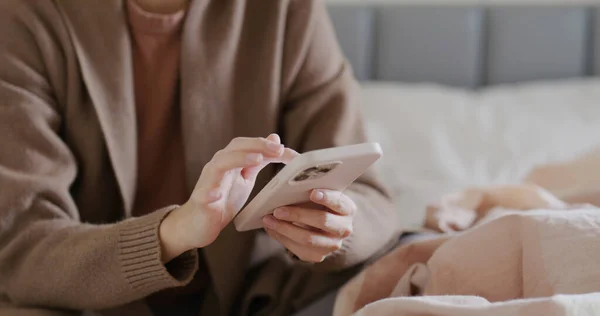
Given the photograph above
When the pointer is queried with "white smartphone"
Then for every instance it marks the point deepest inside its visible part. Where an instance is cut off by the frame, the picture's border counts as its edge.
(333, 168)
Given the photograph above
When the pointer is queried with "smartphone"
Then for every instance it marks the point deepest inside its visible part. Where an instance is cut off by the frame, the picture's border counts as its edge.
(332, 168)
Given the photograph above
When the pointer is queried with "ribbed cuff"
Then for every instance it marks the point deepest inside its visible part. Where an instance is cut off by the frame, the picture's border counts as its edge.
(140, 257)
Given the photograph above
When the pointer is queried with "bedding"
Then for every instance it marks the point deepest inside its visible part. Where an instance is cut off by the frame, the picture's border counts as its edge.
(516, 157)
(438, 140)
(536, 256)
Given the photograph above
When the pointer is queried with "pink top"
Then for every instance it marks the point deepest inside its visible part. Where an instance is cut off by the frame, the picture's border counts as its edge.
(156, 48)
(156, 40)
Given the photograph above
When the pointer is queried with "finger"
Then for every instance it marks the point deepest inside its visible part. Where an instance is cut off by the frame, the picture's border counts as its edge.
(288, 155)
(335, 201)
(302, 236)
(222, 162)
(303, 253)
(274, 138)
(333, 224)
(260, 145)
(252, 172)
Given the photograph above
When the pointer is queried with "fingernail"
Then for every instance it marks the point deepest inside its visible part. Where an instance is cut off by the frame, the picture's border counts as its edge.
(281, 213)
(319, 195)
(275, 147)
(253, 158)
(274, 137)
(270, 222)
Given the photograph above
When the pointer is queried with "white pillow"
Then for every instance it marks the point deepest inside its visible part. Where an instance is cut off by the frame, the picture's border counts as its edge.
(439, 139)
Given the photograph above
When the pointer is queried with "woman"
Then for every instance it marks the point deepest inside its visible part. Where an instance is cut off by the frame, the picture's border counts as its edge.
(131, 135)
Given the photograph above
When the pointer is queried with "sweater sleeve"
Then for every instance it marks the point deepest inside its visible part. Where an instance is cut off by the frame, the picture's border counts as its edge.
(48, 257)
(322, 109)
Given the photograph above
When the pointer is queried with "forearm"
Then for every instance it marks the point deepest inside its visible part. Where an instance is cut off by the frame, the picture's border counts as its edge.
(65, 264)
(48, 258)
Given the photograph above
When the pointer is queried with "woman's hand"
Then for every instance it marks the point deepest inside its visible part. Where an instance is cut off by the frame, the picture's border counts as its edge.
(313, 233)
(222, 190)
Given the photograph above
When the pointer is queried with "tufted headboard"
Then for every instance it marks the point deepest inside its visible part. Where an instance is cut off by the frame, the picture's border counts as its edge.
(468, 46)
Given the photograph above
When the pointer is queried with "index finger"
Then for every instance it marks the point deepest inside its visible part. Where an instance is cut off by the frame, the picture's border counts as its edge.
(267, 147)
(288, 155)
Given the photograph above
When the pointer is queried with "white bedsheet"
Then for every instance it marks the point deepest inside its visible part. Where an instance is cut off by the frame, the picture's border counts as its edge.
(438, 140)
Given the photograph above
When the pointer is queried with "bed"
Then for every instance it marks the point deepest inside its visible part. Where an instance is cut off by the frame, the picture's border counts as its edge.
(484, 87)
(470, 95)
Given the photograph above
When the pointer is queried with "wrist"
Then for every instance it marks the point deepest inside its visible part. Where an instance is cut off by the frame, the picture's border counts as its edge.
(172, 241)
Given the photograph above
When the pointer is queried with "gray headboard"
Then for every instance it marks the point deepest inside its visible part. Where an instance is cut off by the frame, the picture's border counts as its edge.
(468, 46)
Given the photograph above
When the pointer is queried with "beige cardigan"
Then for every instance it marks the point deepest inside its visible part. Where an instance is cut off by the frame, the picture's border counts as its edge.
(68, 151)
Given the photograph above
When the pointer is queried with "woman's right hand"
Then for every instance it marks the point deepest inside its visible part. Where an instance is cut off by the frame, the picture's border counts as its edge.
(221, 191)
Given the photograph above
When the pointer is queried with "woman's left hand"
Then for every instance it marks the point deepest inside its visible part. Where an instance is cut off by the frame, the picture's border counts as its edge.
(313, 233)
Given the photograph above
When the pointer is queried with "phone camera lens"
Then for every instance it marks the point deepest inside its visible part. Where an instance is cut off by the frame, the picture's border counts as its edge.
(314, 172)
(301, 177)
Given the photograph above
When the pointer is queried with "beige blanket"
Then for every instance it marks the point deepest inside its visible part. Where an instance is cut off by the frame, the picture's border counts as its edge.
(528, 253)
